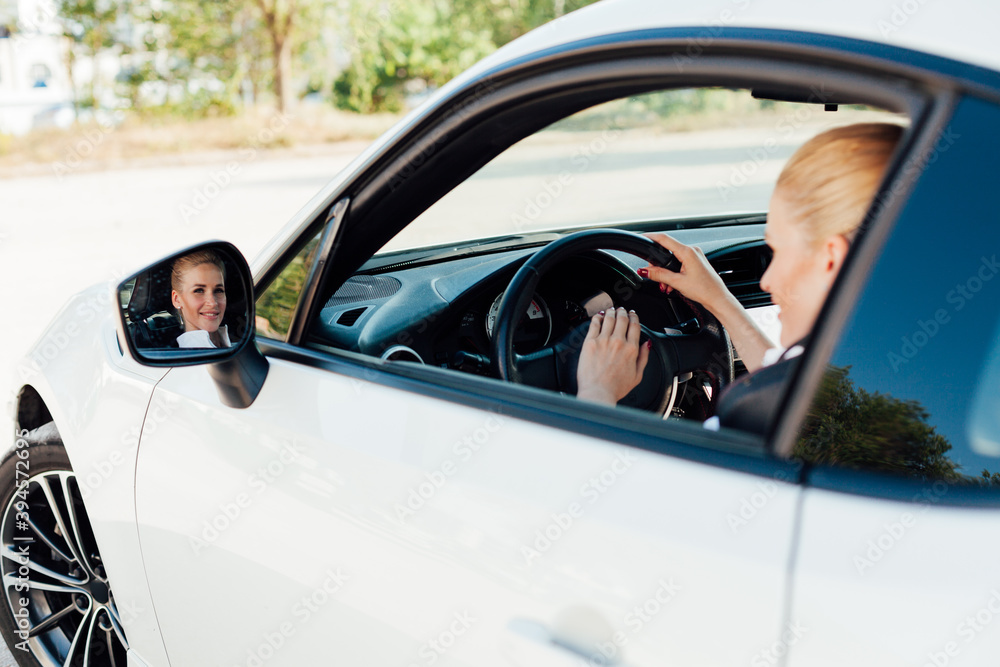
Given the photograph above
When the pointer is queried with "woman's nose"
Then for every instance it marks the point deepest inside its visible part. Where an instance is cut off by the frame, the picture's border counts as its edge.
(765, 283)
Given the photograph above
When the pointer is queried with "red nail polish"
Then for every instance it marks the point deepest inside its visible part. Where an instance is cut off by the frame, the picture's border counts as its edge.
(643, 272)
(663, 288)
(649, 344)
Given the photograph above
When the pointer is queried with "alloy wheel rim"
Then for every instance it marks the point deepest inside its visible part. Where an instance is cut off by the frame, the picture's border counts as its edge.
(50, 559)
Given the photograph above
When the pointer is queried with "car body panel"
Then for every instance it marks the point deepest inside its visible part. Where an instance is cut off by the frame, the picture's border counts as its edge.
(895, 583)
(435, 507)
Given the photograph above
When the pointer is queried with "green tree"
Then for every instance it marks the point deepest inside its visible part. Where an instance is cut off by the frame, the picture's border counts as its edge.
(395, 44)
(91, 27)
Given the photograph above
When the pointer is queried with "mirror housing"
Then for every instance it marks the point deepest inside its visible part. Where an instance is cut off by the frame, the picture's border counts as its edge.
(196, 307)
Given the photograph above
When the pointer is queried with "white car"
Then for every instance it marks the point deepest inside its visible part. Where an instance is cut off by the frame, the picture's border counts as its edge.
(388, 466)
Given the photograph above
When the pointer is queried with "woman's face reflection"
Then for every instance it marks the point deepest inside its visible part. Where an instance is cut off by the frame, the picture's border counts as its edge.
(201, 299)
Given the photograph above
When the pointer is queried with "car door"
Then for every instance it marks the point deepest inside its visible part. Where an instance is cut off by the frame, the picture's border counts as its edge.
(896, 563)
(353, 512)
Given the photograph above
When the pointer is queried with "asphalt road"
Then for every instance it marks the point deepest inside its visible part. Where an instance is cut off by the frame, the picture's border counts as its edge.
(62, 232)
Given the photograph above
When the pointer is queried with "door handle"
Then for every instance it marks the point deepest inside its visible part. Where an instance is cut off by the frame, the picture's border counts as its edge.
(578, 636)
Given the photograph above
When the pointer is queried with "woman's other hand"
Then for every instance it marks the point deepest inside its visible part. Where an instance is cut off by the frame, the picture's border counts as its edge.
(696, 280)
(611, 360)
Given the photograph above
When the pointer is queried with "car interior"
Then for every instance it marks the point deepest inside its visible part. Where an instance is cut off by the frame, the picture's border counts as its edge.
(422, 264)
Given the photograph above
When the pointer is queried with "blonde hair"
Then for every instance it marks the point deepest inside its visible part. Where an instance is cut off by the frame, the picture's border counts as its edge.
(831, 179)
(183, 264)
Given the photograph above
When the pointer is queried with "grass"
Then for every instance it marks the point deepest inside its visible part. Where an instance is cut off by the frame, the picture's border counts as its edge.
(93, 146)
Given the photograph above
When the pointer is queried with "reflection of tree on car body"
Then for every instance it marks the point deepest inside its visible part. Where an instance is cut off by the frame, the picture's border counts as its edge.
(198, 292)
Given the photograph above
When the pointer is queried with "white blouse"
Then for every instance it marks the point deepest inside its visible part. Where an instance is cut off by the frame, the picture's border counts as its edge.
(200, 338)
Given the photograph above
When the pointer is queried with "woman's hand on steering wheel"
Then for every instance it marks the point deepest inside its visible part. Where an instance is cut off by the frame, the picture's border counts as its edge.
(696, 280)
(612, 360)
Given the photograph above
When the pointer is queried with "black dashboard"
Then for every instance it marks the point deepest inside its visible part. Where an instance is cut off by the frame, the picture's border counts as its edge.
(441, 312)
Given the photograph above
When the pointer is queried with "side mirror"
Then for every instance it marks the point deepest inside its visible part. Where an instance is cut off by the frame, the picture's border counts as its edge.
(196, 307)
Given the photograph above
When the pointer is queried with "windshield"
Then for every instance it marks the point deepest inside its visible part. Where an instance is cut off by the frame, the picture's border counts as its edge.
(659, 156)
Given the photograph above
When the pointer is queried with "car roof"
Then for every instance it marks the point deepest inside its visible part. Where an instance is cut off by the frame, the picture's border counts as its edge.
(963, 30)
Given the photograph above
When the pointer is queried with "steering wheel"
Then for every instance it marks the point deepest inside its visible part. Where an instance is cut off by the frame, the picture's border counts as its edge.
(554, 366)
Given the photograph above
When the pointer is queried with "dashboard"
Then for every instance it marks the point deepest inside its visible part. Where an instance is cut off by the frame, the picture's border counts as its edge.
(443, 312)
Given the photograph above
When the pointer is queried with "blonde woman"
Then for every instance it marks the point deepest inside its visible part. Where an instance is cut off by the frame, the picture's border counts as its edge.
(198, 283)
(817, 206)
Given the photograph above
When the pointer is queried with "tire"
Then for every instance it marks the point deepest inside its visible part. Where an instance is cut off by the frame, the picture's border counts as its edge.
(57, 607)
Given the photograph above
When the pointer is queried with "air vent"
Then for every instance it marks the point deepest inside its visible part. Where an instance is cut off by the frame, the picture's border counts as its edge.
(350, 317)
(363, 287)
(736, 269)
(741, 269)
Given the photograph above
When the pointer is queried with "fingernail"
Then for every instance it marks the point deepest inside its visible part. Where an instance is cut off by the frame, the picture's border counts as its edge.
(631, 311)
(649, 344)
(663, 288)
(643, 272)
(601, 313)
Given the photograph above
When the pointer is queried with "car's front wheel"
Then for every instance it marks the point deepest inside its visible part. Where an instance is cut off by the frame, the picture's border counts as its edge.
(58, 608)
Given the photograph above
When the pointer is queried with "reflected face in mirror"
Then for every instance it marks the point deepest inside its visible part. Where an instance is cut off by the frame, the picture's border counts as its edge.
(198, 293)
(200, 299)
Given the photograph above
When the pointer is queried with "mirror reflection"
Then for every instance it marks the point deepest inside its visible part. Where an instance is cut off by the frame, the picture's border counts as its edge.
(196, 299)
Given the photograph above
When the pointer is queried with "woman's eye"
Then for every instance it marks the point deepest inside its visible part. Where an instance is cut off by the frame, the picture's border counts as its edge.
(219, 290)
(198, 290)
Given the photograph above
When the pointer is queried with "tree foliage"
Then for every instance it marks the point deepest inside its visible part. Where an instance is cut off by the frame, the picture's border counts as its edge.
(91, 28)
(851, 427)
(400, 46)
(209, 58)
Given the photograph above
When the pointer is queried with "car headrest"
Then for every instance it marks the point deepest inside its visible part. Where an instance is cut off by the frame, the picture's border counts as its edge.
(150, 295)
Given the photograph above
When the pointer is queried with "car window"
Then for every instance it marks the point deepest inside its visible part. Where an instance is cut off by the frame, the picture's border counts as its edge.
(276, 304)
(656, 156)
(913, 387)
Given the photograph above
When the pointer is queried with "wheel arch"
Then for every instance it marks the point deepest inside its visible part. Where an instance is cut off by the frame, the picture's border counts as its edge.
(32, 410)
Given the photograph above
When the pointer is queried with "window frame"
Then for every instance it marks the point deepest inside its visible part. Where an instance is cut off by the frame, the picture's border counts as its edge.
(791, 63)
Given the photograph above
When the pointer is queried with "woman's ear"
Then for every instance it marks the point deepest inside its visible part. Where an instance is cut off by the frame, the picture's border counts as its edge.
(836, 248)
(175, 299)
